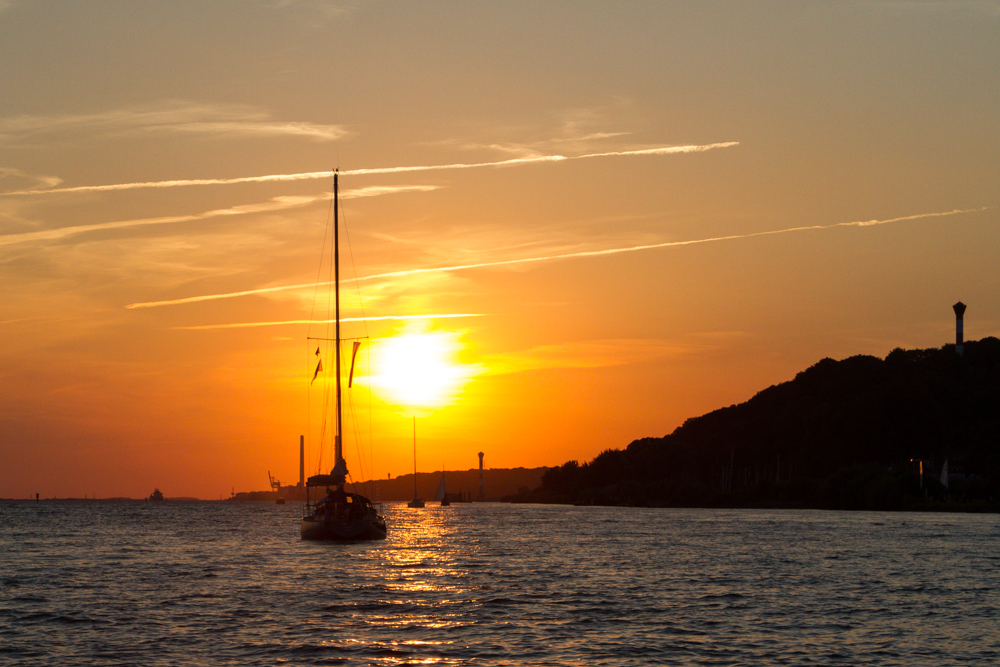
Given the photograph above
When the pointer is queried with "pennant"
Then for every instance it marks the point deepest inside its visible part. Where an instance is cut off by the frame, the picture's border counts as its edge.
(319, 367)
(317, 351)
(354, 354)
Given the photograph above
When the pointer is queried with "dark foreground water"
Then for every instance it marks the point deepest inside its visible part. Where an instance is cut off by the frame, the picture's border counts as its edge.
(139, 583)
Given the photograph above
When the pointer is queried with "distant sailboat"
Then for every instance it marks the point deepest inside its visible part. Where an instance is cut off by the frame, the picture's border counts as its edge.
(417, 500)
(442, 495)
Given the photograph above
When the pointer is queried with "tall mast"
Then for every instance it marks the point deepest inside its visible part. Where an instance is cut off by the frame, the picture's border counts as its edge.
(338, 453)
(414, 456)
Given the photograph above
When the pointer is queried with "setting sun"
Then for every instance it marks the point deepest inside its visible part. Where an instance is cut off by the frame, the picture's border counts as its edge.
(419, 369)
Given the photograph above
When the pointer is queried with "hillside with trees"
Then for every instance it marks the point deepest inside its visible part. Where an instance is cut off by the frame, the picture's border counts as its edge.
(850, 434)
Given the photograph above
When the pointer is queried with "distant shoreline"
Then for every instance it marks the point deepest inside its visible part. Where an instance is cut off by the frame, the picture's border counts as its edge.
(185, 499)
(924, 508)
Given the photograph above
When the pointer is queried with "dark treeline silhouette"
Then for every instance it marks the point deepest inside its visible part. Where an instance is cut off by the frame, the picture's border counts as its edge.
(847, 434)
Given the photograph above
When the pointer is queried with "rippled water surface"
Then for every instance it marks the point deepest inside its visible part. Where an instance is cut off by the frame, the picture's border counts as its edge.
(215, 583)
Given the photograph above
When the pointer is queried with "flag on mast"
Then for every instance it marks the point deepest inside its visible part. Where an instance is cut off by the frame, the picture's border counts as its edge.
(354, 354)
(319, 367)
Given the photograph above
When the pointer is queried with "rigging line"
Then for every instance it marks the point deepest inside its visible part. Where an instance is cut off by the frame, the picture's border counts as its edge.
(325, 394)
(354, 426)
(364, 322)
(308, 432)
(334, 432)
(354, 267)
(369, 476)
(371, 422)
(319, 268)
(357, 436)
(325, 412)
(312, 313)
(331, 387)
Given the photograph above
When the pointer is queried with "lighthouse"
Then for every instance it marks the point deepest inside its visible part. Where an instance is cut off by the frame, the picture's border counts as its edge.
(959, 313)
(481, 476)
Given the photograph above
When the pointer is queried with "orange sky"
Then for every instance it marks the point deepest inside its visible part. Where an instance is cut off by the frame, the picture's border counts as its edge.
(704, 239)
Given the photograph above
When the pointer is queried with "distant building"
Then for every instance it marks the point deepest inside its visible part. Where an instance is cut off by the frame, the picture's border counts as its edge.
(959, 333)
(481, 496)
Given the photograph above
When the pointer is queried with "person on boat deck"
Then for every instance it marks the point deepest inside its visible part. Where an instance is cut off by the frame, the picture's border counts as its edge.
(339, 496)
(334, 502)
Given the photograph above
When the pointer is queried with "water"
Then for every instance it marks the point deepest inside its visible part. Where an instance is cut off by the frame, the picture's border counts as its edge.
(139, 583)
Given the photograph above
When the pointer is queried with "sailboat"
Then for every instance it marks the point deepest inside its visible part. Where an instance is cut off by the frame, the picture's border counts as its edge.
(442, 495)
(417, 500)
(339, 516)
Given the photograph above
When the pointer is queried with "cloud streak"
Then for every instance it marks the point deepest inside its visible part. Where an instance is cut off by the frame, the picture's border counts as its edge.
(252, 325)
(564, 256)
(589, 354)
(313, 175)
(274, 204)
(41, 181)
(220, 121)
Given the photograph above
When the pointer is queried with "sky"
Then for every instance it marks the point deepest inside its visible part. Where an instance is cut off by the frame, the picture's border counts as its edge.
(565, 225)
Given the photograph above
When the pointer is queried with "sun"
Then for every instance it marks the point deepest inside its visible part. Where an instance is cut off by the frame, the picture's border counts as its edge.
(419, 370)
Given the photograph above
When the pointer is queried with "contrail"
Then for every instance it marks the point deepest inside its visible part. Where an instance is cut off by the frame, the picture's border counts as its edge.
(274, 204)
(653, 246)
(312, 175)
(52, 234)
(249, 325)
(571, 255)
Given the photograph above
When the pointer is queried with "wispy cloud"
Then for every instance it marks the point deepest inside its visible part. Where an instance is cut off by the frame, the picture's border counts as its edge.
(317, 14)
(312, 175)
(379, 190)
(37, 181)
(212, 297)
(274, 204)
(564, 256)
(574, 130)
(667, 244)
(176, 117)
(539, 148)
(22, 319)
(587, 354)
(253, 325)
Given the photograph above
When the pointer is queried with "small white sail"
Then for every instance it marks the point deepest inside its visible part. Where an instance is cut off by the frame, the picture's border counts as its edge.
(944, 474)
(441, 492)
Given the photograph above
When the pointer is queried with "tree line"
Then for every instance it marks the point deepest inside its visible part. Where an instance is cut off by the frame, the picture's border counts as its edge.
(849, 434)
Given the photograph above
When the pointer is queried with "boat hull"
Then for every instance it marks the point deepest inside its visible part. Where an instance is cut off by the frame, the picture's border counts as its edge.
(339, 530)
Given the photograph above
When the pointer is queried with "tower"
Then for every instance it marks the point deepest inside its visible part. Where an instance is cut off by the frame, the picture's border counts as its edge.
(481, 476)
(959, 313)
(302, 461)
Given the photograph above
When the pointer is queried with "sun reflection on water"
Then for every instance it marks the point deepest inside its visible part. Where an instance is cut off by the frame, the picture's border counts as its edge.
(424, 581)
